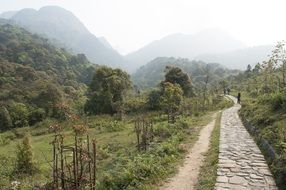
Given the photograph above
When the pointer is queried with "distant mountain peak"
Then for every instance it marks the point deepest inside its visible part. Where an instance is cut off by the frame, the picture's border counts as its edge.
(66, 30)
(211, 40)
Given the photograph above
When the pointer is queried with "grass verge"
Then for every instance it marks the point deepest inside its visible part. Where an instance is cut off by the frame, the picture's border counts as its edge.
(208, 173)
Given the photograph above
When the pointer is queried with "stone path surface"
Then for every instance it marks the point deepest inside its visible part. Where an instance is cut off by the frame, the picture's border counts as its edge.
(241, 164)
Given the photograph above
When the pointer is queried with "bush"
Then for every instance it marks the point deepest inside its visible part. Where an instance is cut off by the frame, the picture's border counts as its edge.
(163, 130)
(182, 123)
(4, 140)
(24, 161)
(135, 105)
(6, 171)
(21, 132)
(107, 124)
(276, 100)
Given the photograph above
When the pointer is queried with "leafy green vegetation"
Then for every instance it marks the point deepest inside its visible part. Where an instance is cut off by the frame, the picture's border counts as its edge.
(34, 76)
(43, 86)
(263, 106)
(119, 162)
(151, 74)
(208, 172)
(107, 91)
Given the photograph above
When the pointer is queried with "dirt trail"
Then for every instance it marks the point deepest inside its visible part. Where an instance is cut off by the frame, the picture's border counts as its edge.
(187, 176)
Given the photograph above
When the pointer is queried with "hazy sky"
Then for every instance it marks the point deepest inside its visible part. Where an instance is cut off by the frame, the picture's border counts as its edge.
(130, 24)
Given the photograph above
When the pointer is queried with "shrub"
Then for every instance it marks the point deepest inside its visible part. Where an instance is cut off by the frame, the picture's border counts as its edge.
(135, 105)
(182, 123)
(6, 171)
(163, 130)
(4, 140)
(20, 132)
(105, 123)
(278, 101)
(24, 161)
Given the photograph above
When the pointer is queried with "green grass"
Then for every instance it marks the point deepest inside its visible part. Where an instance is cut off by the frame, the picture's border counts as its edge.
(118, 147)
(270, 125)
(208, 172)
(120, 165)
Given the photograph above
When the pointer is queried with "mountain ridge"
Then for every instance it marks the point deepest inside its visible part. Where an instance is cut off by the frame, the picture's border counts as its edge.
(58, 23)
(184, 45)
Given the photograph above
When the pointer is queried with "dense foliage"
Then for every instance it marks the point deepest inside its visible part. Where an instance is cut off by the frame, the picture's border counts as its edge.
(107, 91)
(151, 74)
(171, 98)
(264, 105)
(25, 161)
(175, 75)
(66, 30)
(34, 76)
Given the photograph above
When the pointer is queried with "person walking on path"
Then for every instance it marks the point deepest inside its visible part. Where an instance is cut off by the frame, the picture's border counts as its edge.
(238, 98)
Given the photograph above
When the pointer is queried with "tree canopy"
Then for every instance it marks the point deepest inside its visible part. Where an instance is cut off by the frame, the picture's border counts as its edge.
(34, 75)
(175, 75)
(107, 90)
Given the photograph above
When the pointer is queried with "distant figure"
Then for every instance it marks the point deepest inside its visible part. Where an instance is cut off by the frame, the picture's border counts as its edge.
(238, 98)
(228, 91)
(224, 91)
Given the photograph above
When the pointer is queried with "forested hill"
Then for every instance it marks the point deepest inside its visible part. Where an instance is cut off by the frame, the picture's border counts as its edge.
(150, 74)
(67, 31)
(37, 74)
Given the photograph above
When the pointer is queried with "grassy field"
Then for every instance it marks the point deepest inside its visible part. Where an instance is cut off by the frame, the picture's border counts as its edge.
(120, 165)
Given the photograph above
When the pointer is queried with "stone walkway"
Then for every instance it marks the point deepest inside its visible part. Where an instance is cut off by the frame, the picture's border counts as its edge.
(241, 164)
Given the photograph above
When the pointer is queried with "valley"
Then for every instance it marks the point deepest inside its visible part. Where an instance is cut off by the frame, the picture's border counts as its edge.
(195, 111)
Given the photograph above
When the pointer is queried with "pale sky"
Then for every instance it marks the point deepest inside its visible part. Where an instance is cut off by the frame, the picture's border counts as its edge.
(130, 24)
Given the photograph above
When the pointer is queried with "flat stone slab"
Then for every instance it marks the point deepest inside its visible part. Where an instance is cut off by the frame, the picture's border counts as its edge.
(241, 164)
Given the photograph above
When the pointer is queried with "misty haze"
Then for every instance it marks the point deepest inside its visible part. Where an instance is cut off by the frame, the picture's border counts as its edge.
(151, 95)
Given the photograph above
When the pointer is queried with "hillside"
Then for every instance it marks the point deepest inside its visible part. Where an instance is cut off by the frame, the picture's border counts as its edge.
(183, 45)
(67, 31)
(238, 59)
(150, 74)
(36, 75)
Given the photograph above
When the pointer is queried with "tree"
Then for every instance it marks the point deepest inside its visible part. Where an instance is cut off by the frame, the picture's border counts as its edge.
(257, 68)
(170, 101)
(223, 84)
(25, 163)
(19, 114)
(175, 75)
(248, 71)
(5, 119)
(48, 97)
(107, 90)
(154, 100)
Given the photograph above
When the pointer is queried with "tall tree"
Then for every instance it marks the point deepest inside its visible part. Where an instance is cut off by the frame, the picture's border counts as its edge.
(107, 90)
(176, 75)
(171, 99)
